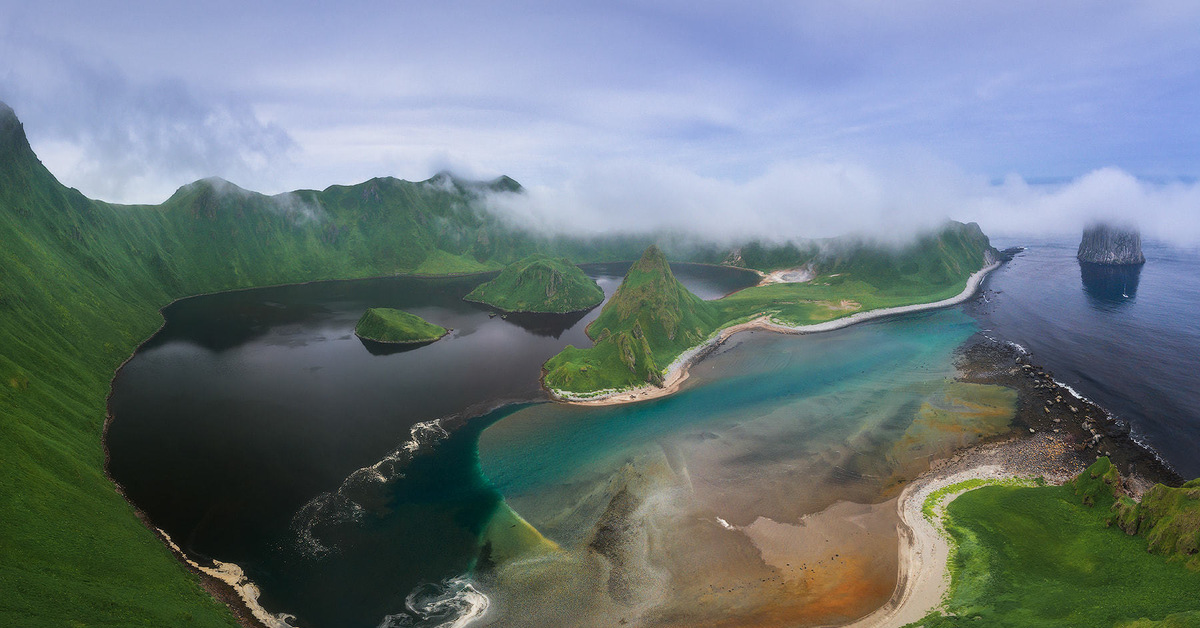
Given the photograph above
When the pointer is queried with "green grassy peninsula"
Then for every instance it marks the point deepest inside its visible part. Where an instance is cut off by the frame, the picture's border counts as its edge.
(1064, 556)
(650, 320)
(381, 324)
(540, 284)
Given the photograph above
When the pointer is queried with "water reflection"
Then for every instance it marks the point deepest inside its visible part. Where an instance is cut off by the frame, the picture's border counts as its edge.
(548, 325)
(1108, 285)
(374, 347)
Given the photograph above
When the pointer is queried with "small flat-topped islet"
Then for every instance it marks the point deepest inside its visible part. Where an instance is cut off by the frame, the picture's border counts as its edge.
(386, 325)
(540, 284)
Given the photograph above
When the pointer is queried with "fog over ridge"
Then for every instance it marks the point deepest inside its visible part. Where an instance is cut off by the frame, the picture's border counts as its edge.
(819, 199)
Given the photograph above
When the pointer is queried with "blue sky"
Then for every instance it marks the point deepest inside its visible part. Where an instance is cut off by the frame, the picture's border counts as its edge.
(817, 116)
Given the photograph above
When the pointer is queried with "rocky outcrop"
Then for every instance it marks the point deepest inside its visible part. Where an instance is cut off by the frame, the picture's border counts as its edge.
(1108, 244)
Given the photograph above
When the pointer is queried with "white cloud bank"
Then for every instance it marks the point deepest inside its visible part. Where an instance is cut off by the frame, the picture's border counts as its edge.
(812, 199)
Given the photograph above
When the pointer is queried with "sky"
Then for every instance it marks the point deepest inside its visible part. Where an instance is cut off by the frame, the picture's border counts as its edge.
(771, 119)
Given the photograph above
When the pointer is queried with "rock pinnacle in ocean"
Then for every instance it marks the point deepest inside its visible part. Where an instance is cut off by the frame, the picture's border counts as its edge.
(1107, 244)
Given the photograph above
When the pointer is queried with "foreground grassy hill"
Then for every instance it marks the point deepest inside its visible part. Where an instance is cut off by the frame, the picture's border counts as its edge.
(540, 284)
(383, 324)
(1050, 556)
(652, 319)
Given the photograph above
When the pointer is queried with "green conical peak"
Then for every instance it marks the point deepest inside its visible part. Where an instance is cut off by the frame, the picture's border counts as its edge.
(653, 259)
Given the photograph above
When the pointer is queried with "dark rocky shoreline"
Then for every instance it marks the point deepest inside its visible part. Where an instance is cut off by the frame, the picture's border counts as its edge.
(1046, 407)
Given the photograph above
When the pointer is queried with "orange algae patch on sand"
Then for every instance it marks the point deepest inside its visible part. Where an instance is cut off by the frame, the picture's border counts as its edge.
(831, 595)
(830, 567)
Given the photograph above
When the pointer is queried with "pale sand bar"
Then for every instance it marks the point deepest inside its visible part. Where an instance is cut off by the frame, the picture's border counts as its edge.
(923, 580)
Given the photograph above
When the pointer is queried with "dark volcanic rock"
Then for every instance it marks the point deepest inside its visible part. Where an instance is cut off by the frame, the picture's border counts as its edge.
(1107, 244)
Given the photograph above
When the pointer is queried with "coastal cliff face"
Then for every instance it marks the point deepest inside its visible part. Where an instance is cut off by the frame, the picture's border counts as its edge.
(1106, 244)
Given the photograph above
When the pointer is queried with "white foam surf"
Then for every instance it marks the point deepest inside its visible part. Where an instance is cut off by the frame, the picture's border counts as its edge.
(453, 603)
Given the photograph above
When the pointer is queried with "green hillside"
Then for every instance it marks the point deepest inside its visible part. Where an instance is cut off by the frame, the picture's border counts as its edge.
(854, 276)
(382, 324)
(1169, 519)
(1049, 556)
(649, 320)
(540, 284)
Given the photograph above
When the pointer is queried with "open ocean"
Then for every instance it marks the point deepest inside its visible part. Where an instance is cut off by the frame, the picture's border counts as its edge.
(1129, 343)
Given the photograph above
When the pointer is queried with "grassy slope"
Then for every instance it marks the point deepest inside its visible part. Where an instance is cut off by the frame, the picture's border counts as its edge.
(383, 324)
(1169, 518)
(649, 321)
(540, 283)
(653, 319)
(1044, 557)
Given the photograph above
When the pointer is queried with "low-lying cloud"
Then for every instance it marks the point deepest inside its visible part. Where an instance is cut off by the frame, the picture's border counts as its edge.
(815, 199)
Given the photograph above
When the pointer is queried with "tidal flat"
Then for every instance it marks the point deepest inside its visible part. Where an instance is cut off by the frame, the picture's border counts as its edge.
(760, 494)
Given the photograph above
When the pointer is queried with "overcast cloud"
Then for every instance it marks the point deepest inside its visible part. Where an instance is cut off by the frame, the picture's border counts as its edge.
(769, 119)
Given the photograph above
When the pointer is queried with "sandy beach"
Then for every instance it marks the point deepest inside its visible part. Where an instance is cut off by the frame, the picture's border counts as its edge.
(677, 372)
(924, 547)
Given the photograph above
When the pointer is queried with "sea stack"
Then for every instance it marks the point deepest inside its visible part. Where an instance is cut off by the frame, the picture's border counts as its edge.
(1111, 245)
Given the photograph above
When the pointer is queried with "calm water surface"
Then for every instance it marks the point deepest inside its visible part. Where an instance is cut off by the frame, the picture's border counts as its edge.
(1129, 341)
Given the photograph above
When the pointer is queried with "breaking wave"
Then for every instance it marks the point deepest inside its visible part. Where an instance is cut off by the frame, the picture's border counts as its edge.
(453, 603)
(316, 527)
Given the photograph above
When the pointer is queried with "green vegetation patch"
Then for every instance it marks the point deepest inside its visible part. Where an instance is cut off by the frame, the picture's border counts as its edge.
(540, 284)
(381, 324)
(1169, 518)
(648, 322)
(1040, 556)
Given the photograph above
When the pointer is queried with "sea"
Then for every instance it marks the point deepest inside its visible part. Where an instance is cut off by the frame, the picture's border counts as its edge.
(436, 487)
(1128, 339)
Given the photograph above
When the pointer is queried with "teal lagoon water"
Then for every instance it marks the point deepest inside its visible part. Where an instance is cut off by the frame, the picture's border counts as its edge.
(778, 395)
(768, 432)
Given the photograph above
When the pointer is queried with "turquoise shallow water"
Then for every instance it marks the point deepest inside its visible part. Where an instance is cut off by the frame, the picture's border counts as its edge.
(677, 496)
(774, 391)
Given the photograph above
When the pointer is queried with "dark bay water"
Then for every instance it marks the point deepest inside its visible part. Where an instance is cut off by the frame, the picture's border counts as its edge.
(248, 405)
(1129, 340)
